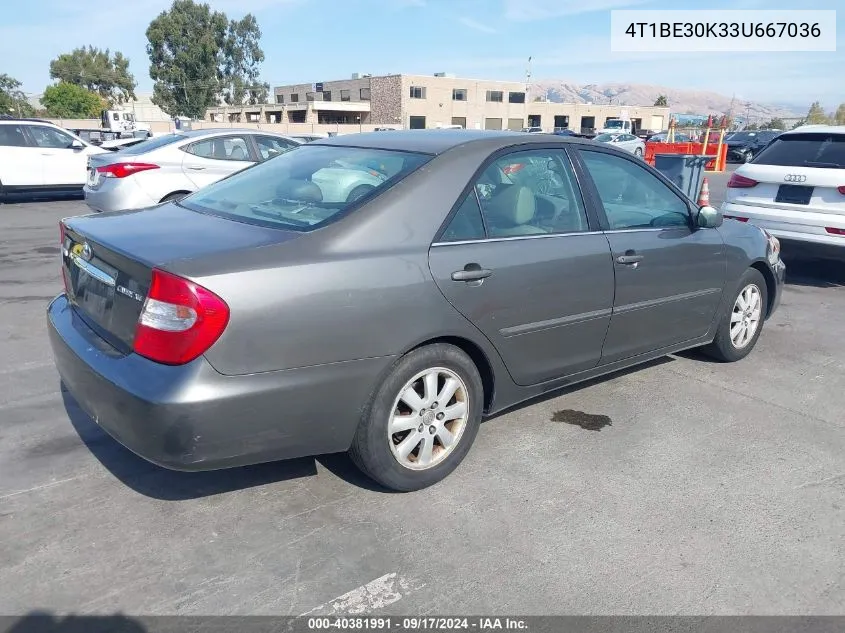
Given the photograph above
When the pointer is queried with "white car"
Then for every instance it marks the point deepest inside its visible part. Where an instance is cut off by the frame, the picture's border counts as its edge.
(628, 142)
(795, 187)
(171, 166)
(39, 157)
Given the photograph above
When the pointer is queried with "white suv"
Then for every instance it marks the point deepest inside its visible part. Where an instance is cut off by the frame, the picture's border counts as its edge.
(39, 157)
(795, 187)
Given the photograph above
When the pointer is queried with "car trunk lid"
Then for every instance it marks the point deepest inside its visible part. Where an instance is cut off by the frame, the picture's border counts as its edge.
(802, 189)
(108, 259)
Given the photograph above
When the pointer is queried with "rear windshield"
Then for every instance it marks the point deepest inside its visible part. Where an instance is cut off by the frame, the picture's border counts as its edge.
(606, 138)
(806, 149)
(152, 143)
(306, 187)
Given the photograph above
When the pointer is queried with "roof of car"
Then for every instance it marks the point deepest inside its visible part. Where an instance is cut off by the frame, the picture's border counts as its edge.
(224, 130)
(439, 141)
(822, 129)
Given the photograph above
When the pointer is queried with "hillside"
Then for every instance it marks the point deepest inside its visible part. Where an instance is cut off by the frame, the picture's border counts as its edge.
(680, 101)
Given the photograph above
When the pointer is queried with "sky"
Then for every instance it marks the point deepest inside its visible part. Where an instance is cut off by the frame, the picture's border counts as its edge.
(307, 41)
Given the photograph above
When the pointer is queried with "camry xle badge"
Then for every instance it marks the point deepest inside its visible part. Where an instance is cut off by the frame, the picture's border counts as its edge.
(130, 293)
(795, 178)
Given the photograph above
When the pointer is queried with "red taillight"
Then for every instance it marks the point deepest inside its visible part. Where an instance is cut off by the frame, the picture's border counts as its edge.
(733, 217)
(741, 182)
(122, 170)
(180, 320)
(62, 255)
(841, 190)
(513, 168)
(834, 231)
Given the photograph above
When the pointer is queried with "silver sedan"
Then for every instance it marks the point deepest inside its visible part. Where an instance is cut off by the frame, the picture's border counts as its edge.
(628, 142)
(169, 167)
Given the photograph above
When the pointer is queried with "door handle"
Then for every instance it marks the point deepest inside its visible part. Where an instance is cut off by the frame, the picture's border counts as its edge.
(629, 258)
(471, 272)
(195, 167)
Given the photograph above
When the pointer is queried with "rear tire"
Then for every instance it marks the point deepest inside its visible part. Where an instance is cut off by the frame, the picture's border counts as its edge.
(407, 439)
(742, 321)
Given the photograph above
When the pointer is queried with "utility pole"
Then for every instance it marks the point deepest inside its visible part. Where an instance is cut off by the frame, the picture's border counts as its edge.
(528, 80)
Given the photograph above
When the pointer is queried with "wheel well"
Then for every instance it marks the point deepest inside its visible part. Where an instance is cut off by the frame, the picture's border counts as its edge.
(771, 284)
(478, 357)
(174, 193)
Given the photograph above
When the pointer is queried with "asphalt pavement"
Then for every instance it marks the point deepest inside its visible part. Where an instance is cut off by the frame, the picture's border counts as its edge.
(683, 487)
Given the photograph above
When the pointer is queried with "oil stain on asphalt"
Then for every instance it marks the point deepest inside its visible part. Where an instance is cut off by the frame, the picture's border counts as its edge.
(587, 421)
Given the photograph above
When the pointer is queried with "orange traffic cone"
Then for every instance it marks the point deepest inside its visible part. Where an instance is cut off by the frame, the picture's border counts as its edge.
(704, 196)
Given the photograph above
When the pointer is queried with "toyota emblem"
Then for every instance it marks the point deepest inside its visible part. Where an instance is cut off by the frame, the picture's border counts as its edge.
(86, 251)
(795, 178)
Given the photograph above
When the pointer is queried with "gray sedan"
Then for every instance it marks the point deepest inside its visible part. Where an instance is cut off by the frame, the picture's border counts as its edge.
(261, 319)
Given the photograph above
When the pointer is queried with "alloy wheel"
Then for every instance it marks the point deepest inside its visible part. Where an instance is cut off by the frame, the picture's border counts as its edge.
(745, 317)
(428, 418)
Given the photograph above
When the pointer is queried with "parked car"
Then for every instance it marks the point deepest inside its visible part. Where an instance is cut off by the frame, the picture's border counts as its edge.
(533, 129)
(564, 131)
(744, 146)
(795, 188)
(663, 137)
(628, 142)
(39, 157)
(169, 167)
(254, 321)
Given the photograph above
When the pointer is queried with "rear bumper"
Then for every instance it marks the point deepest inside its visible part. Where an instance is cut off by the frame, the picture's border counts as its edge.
(794, 226)
(117, 194)
(193, 418)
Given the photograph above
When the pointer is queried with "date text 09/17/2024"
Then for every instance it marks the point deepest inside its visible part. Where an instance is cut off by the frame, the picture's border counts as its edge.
(416, 623)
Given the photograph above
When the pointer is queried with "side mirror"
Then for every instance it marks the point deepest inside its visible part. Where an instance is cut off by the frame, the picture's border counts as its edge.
(77, 144)
(709, 218)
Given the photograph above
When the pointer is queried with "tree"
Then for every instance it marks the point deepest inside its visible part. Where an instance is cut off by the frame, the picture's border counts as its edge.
(97, 71)
(816, 115)
(69, 101)
(661, 101)
(752, 126)
(197, 57)
(12, 99)
(839, 117)
(242, 56)
(775, 124)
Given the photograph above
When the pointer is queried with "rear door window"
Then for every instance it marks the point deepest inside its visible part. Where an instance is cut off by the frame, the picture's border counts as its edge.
(805, 149)
(12, 136)
(221, 148)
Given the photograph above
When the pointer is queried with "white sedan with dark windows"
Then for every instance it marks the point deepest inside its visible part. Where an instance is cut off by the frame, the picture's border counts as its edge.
(795, 188)
(628, 142)
(169, 167)
(37, 157)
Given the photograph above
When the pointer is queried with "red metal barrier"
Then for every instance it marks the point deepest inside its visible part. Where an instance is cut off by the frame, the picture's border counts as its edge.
(716, 164)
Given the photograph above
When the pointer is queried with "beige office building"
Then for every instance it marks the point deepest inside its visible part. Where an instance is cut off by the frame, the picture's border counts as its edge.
(431, 101)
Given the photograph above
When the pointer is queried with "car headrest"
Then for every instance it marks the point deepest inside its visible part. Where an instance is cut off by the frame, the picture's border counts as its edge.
(237, 153)
(514, 206)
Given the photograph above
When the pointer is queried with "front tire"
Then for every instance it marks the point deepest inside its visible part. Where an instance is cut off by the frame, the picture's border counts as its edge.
(422, 420)
(742, 322)
(638, 152)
